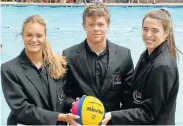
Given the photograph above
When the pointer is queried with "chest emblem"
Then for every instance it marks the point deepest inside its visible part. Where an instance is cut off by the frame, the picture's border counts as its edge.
(137, 97)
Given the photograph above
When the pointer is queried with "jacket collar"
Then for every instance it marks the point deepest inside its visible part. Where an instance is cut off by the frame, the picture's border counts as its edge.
(110, 46)
(81, 60)
(33, 77)
(163, 46)
(149, 59)
(24, 58)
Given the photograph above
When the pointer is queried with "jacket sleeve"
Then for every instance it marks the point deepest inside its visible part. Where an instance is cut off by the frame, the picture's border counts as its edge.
(126, 95)
(19, 104)
(158, 87)
(68, 88)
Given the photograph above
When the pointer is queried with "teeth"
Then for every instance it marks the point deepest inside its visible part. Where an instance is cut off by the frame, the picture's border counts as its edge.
(33, 44)
(149, 41)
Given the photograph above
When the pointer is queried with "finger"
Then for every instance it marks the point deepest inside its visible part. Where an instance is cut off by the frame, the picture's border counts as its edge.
(84, 96)
(71, 110)
(77, 98)
(73, 116)
(104, 122)
(77, 124)
(74, 123)
(73, 103)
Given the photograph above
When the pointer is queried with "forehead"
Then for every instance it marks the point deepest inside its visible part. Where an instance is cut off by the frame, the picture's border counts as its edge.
(153, 23)
(96, 18)
(34, 27)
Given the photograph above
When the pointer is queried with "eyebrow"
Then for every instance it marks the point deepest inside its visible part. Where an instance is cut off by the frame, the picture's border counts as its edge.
(31, 33)
(28, 33)
(155, 29)
(152, 28)
(96, 22)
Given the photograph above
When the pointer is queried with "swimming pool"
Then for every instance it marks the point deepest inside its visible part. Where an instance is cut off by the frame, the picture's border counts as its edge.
(65, 29)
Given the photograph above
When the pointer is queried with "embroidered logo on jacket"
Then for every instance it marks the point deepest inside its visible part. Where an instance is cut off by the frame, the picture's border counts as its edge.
(137, 96)
(116, 79)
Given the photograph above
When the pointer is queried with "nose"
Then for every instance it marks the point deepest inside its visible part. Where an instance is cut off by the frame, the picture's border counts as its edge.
(95, 27)
(149, 33)
(34, 38)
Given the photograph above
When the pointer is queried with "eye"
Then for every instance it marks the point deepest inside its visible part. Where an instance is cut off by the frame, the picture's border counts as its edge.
(39, 35)
(29, 35)
(145, 29)
(155, 31)
(91, 24)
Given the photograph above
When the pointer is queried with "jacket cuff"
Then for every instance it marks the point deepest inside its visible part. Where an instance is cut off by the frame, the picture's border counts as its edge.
(114, 118)
(53, 116)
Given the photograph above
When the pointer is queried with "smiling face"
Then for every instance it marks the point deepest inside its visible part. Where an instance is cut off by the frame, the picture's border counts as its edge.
(153, 33)
(96, 29)
(34, 37)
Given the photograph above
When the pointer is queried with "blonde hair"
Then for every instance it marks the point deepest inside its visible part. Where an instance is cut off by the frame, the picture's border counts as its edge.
(56, 63)
(96, 9)
(165, 17)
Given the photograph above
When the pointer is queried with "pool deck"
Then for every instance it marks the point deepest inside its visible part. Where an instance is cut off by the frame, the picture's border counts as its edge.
(82, 4)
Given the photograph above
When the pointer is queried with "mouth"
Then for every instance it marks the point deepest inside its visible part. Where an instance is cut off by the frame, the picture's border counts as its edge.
(33, 45)
(95, 34)
(150, 41)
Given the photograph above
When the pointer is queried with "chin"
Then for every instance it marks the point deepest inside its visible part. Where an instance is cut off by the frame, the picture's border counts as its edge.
(34, 50)
(149, 46)
(97, 40)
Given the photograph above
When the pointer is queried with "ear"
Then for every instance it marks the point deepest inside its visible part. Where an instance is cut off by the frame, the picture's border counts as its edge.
(166, 33)
(22, 34)
(108, 26)
(83, 26)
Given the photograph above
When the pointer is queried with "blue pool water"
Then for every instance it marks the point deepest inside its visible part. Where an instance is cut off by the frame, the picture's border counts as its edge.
(65, 29)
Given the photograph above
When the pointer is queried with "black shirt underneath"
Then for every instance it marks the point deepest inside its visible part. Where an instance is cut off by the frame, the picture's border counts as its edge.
(43, 75)
(98, 65)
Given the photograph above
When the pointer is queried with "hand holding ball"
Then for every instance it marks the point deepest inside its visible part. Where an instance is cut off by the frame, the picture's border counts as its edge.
(90, 110)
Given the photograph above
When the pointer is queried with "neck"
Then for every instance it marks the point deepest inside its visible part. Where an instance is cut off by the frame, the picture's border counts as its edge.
(36, 58)
(149, 52)
(97, 47)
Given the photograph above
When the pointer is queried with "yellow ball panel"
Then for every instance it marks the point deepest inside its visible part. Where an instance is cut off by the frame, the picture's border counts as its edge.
(92, 111)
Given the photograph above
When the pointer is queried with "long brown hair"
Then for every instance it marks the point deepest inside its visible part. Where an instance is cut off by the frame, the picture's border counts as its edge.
(57, 63)
(165, 17)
